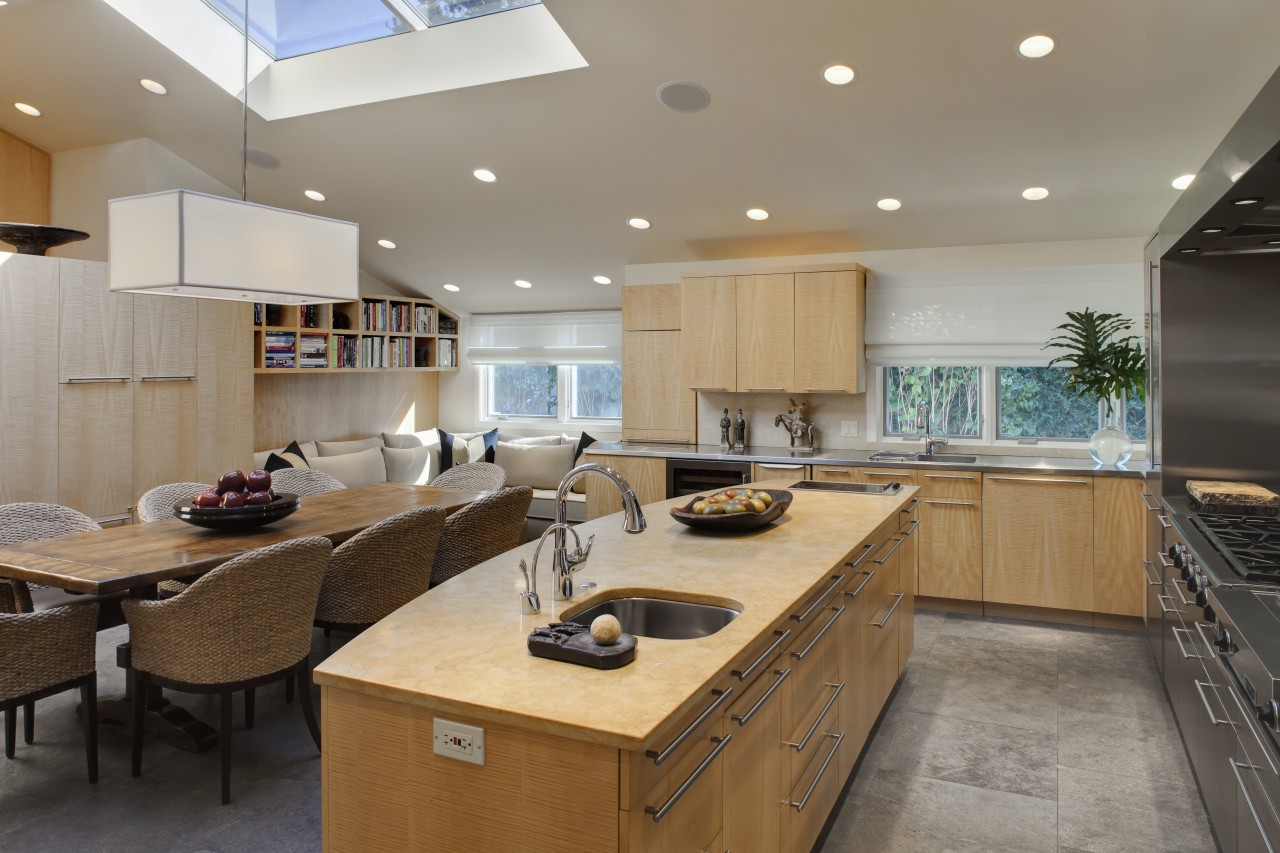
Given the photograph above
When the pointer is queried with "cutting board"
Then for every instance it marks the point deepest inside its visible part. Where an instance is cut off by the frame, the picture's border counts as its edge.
(1218, 495)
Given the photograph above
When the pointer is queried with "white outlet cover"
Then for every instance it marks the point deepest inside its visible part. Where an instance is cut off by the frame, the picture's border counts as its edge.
(849, 429)
(458, 740)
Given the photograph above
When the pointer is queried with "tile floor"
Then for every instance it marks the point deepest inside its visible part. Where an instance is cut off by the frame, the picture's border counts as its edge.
(1003, 736)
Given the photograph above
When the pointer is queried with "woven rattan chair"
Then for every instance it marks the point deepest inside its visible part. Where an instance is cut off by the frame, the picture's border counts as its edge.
(474, 477)
(304, 481)
(45, 653)
(157, 504)
(380, 569)
(244, 624)
(481, 530)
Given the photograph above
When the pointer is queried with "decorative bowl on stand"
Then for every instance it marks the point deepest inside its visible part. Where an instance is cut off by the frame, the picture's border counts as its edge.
(37, 239)
(738, 521)
(237, 518)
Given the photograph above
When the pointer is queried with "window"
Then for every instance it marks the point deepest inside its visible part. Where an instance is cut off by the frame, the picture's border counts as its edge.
(437, 12)
(597, 391)
(952, 393)
(1135, 418)
(563, 393)
(522, 391)
(289, 28)
(1034, 403)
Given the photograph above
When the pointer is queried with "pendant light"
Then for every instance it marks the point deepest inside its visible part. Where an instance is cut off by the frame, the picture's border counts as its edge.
(185, 243)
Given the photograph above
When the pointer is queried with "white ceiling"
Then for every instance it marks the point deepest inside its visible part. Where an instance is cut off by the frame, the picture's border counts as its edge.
(944, 116)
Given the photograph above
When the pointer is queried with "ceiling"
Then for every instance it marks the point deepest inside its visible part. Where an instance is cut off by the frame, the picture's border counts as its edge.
(944, 115)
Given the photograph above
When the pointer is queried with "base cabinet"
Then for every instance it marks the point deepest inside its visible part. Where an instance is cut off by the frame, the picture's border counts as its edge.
(951, 548)
(646, 474)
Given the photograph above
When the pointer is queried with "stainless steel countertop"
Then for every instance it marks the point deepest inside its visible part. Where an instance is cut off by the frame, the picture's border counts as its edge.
(862, 458)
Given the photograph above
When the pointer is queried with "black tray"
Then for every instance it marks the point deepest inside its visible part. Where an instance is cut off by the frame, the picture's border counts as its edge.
(239, 518)
(739, 522)
(572, 643)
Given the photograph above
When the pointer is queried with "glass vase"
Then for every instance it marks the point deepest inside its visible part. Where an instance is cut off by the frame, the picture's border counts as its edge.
(1110, 446)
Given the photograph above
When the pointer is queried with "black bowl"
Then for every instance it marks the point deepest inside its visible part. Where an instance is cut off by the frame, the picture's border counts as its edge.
(237, 518)
(738, 522)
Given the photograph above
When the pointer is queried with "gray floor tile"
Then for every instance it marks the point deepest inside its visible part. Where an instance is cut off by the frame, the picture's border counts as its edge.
(1133, 695)
(985, 698)
(1005, 631)
(1105, 813)
(1141, 748)
(966, 654)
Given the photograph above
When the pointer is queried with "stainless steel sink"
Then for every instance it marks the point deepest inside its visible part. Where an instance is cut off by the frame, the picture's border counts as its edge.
(660, 618)
(941, 458)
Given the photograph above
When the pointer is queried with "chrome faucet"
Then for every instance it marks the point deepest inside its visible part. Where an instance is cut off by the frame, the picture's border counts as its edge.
(923, 421)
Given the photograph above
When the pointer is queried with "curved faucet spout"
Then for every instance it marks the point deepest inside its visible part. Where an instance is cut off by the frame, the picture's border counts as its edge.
(563, 563)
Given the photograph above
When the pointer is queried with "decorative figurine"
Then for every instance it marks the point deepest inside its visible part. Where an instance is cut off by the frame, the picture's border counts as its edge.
(800, 430)
(740, 430)
(725, 425)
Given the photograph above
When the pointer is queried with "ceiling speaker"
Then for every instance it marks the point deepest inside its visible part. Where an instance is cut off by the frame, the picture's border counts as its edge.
(683, 96)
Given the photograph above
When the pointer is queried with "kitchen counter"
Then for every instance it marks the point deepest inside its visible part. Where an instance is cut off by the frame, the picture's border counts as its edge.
(862, 458)
(461, 648)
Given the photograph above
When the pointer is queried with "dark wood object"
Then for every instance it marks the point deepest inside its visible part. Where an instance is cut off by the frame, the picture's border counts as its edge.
(572, 643)
(1220, 495)
(37, 239)
(738, 522)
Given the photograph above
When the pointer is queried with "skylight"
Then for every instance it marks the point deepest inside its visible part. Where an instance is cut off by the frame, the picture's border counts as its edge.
(437, 12)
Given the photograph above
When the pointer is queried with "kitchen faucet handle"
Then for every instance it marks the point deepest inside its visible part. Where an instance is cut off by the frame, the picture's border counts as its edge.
(529, 603)
(580, 554)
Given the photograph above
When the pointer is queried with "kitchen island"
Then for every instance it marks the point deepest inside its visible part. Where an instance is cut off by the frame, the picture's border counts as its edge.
(740, 740)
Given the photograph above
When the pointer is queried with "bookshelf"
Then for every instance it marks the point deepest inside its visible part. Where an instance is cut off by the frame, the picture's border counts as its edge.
(374, 333)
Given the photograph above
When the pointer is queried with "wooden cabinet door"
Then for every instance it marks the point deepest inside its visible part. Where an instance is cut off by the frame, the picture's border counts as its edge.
(646, 474)
(1118, 520)
(224, 388)
(708, 334)
(164, 338)
(882, 476)
(766, 332)
(908, 574)
(835, 474)
(778, 471)
(752, 766)
(829, 311)
(164, 434)
(653, 397)
(1037, 541)
(651, 307)
(95, 326)
(951, 549)
(28, 379)
(95, 448)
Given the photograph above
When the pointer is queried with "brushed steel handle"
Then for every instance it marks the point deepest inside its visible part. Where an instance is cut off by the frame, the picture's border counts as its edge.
(1165, 522)
(764, 658)
(743, 719)
(949, 503)
(915, 503)
(659, 812)
(1236, 767)
(821, 633)
(912, 528)
(706, 388)
(1165, 561)
(1150, 582)
(866, 552)
(853, 593)
(186, 377)
(835, 747)
(886, 473)
(659, 757)
(948, 476)
(1052, 481)
(1182, 598)
(804, 741)
(1185, 654)
(1248, 715)
(1150, 508)
(889, 553)
(779, 467)
(822, 599)
(835, 470)
(763, 389)
(885, 621)
(824, 389)
(87, 379)
(655, 441)
(1213, 718)
(1162, 599)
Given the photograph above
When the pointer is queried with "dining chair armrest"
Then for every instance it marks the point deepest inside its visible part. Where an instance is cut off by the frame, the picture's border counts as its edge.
(45, 648)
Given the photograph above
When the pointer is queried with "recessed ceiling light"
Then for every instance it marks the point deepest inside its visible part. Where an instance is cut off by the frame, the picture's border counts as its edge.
(1183, 181)
(888, 204)
(314, 195)
(602, 279)
(386, 244)
(485, 175)
(759, 214)
(153, 87)
(1210, 230)
(27, 108)
(839, 75)
(452, 288)
(4, 2)
(522, 283)
(1246, 200)
(1036, 46)
(1035, 193)
(637, 222)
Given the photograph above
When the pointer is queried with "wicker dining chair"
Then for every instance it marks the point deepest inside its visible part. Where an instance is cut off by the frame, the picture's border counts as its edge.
(473, 476)
(246, 623)
(483, 529)
(157, 504)
(43, 654)
(380, 569)
(304, 481)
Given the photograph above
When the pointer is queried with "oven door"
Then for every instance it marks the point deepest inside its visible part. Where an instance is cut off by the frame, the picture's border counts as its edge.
(1253, 775)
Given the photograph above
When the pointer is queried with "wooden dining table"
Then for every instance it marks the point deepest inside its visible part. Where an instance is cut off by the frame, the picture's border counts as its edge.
(134, 559)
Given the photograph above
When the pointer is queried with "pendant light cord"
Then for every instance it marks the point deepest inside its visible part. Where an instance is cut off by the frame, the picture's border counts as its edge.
(244, 114)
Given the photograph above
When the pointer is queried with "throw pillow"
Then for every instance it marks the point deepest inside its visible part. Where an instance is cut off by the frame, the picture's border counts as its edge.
(308, 449)
(341, 448)
(289, 457)
(535, 440)
(463, 447)
(415, 465)
(541, 466)
(354, 469)
(400, 440)
(584, 441)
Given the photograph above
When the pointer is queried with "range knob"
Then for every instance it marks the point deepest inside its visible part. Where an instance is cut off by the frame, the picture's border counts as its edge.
(1194, 582)
(1179, 559)
(1202, 599)
(1223, 641)
(1173, 551)
(1269, 713)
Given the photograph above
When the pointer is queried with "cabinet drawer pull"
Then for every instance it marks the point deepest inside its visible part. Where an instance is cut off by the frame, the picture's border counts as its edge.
(886, 473)
(911, 528)
(722, 696)
(1165, 522)
(1145, 565)
(1149, 507)
(866, 552)
(889, 553)
(743, 719)
(885, 621)
(1182, 598)
(1213, 718)
(799, 747)
(706, 388)
(659, 812)
(835, 747)
(1185, 654)
(853, 593)
(915, 503)
(1166, 611)
(949, 503)
(948, 476)
(763, 389)
(187, 377)
(88, 379)
(764, 658)
(1236, 767)
(822, 599)
(656, 441)
(824, 389)
(1039, 480)
(835, 470)
(818, 636)
(1165, 561)
(776, 466)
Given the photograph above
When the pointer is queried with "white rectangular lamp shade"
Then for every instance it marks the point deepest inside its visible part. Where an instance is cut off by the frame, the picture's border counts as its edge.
(183, 243)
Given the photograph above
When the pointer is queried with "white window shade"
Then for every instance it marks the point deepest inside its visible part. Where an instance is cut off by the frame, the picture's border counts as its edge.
(589, 337)
(990, 316)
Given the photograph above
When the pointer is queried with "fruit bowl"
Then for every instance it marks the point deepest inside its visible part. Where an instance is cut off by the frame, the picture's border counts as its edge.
(737, 522)
(244, 517)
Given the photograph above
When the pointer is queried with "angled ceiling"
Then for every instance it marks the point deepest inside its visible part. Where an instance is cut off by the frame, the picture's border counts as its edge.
(944, 115)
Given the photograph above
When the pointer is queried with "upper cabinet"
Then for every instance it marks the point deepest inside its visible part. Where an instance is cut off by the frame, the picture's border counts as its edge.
(651, 307)
(96, 331)
(829, 311)
(164, 338)
(709, 334)
(766, 332)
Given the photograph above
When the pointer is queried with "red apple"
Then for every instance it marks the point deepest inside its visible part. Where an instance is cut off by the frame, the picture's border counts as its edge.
(258, 498)
(233, 500)
(232, 481)
(258, 481)
(208, 499)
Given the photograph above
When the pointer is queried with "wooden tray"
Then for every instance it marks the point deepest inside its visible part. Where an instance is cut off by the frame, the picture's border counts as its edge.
(1221, 495)
(738, 522)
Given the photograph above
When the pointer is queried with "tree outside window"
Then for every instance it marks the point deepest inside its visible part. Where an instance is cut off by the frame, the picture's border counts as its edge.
(952, 393)
(597, 391)
(523, 390)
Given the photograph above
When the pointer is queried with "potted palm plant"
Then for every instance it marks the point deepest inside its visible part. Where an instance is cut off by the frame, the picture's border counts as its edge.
(1106, 364)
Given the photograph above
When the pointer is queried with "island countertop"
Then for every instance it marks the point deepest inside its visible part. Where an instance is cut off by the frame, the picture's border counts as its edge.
(461, 648)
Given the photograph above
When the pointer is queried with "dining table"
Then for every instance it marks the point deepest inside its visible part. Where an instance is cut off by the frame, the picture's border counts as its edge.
(133, 559)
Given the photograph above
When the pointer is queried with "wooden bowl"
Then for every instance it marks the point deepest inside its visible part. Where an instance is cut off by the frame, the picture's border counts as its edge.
(738, 522)
(237, 518)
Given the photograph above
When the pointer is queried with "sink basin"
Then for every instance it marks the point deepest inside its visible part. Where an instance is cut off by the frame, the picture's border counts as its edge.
(940, 458)
(660, 618)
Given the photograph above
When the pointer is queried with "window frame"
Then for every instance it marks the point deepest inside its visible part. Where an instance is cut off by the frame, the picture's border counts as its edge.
(883, 406)
(570, 385)
(1027, 439)
(564, 404)
(486, 400)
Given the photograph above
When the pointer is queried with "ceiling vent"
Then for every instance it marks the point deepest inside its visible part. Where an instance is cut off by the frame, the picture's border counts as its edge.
(683, 96)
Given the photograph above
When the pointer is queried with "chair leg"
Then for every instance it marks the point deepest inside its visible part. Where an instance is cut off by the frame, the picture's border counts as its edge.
(303, 676)
(10, 730)
(248, 708)
(224, 735)
(89, 701)
(29, 722)
(137, 682)
(288, 690)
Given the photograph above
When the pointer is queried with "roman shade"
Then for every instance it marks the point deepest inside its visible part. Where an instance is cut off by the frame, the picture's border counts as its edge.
(586, 337)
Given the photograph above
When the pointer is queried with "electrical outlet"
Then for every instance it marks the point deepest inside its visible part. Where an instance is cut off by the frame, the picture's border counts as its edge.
(460, 741)
(849, 429)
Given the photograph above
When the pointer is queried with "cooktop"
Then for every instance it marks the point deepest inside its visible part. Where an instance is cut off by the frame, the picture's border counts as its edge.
(1249, 543)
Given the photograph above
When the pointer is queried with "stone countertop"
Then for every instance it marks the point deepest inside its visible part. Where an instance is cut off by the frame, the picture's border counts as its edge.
(862, 458)
(461, 648)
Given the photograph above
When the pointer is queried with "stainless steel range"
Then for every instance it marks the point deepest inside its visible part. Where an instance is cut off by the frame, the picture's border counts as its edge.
(1249, 544)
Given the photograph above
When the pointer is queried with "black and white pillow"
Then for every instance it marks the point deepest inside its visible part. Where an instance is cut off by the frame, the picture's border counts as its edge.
(467, 447)
(290, 457)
